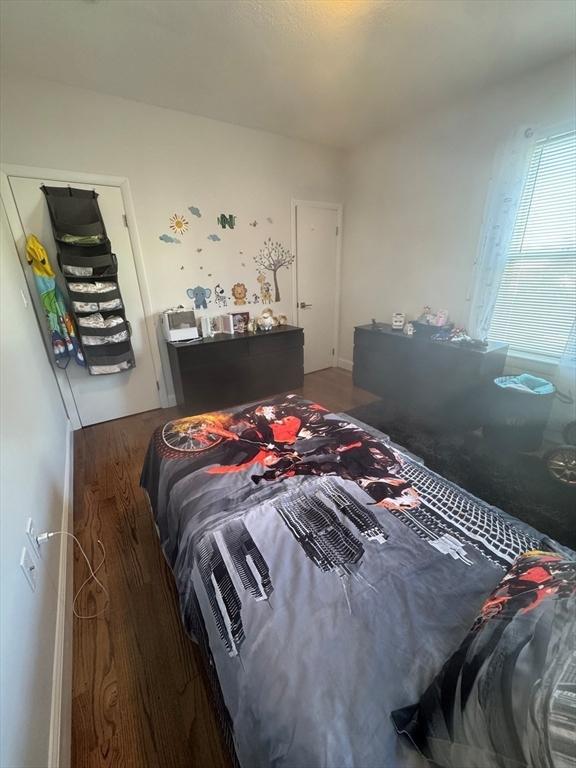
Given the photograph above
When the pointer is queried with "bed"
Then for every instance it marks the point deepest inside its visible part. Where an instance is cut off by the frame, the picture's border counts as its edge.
(326, 573)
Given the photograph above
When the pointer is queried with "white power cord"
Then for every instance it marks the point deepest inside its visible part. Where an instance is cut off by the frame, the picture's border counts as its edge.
(93, 571)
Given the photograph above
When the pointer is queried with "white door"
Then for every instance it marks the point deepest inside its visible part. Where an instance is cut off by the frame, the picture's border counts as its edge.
(104, 397)
(317, 280)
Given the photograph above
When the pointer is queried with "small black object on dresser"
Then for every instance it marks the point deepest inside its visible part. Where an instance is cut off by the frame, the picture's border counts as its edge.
(437, 381)
(224, 370)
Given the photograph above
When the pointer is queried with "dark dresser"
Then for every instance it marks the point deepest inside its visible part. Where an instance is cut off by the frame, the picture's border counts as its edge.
(438, 381)
(227, 370)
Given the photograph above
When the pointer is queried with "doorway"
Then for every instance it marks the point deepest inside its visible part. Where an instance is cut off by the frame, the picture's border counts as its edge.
(317, 229)
(93, 399)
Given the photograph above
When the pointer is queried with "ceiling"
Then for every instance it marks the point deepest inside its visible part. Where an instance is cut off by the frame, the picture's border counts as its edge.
(330, 71)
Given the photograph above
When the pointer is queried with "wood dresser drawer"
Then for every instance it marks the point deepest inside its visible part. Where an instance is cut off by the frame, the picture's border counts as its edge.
(230, 370)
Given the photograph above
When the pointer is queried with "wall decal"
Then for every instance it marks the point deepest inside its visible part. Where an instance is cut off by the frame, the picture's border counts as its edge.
(198, 250)
(265, 292)
(273, 256)
(195, 211)
(239, 293)
(169, 239)
(227, 220)
(269, 220)
(182, 267)
(220, 296)
(255, 298)
(178, 223)
(200, 296)
(215, 238)
(253, 223)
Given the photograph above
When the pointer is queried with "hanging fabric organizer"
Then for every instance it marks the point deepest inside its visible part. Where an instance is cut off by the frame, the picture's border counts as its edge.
(90, 270)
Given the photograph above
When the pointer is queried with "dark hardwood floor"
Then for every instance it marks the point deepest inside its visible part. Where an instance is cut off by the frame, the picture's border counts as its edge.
(140, 699)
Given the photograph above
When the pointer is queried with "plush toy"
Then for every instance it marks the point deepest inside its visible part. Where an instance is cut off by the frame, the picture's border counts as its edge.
(239, 293)
(282, 320)
(266, 321)
(200, 296)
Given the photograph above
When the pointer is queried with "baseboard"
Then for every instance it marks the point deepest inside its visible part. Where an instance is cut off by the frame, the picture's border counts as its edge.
(61, 708)
(346, 364)
(170, 401)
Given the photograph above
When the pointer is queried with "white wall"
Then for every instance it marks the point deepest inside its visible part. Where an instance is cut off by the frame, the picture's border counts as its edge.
(34, 440)
(415, 199)
(174, 160)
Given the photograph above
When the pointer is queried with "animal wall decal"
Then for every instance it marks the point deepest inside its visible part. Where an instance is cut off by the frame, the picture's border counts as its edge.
(272, 257)
(220, 296)
(265, 292)
(227, 220)
(239, 293)
(200, 296)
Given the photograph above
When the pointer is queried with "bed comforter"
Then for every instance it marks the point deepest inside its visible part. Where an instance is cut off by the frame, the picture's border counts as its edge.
(329, 573)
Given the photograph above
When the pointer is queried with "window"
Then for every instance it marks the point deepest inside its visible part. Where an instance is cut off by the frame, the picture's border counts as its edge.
(536, 303)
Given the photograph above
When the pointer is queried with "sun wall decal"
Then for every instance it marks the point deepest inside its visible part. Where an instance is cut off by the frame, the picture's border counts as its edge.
(178, 224)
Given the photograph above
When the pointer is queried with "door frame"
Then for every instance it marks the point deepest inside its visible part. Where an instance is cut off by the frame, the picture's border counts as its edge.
(337, 289)
(19, 237)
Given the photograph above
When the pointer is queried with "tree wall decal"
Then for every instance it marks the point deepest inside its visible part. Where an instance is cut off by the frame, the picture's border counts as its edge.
(273, 256)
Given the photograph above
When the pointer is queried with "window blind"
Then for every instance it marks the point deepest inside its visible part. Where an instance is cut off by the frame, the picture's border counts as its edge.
(536, 302)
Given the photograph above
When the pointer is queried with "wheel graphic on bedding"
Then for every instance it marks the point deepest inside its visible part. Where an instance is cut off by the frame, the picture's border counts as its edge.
(196, 433)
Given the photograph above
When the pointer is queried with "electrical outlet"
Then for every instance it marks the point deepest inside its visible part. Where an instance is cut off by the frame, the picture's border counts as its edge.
(31, 534)
(28, 568)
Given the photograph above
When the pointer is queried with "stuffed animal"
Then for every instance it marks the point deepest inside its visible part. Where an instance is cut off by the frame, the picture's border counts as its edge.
(266, 321)
(239, 293)
(200, 296)
(282, 320)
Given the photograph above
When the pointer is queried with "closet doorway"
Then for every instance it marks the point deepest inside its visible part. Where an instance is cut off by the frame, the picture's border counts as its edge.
(316, 237)
(91, 399)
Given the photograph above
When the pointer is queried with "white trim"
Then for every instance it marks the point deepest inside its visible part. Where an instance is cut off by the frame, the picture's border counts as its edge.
(19, 238)
(50, 174)
(347, 365)
(531, 357)
(294, 226)
(59, 750)
(145, 293)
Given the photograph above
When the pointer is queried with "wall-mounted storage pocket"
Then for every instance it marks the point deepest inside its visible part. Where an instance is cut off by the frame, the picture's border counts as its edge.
(94, 297)
(110, 358)
(91, 273)
(91, 261)
(97, 330)
(74, 214)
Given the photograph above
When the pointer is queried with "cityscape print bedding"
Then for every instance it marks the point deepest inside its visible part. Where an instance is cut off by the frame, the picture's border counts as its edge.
(327, 574)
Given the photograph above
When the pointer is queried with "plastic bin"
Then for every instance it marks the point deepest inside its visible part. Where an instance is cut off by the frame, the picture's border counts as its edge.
(517, 411)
